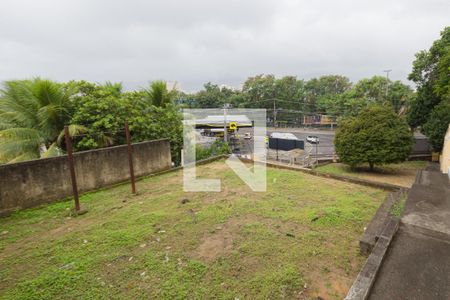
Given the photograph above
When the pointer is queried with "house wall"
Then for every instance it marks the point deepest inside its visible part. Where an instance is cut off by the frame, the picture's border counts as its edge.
(445, 156)
(35, 182)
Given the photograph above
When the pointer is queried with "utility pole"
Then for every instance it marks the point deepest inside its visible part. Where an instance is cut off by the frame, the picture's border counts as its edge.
(225, 133)
(274, 114)
(73, 177)
(130, 158)
(317, 158)
(387, 81)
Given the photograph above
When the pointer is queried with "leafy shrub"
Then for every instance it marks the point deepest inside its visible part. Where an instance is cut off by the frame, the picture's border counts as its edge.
(103, 110)
(376, 136)
(437, 124)
(219, 147)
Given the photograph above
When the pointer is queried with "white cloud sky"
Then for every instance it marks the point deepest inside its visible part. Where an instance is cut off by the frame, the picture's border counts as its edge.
(193, 42)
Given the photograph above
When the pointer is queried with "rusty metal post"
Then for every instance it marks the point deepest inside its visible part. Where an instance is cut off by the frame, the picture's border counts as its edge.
(277, 147)
(130, 158)
(72, 168)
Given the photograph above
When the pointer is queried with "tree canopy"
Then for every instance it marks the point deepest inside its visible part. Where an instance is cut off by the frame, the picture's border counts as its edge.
(431, 74)
(158, 95)
(333, 95)
(102, 111)
(436, 127)
(33, 114)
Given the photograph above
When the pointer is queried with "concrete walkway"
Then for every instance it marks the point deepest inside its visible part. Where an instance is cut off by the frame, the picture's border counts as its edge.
(417, 264)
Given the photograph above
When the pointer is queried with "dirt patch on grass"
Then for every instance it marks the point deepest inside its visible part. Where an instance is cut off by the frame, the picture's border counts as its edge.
(29, 242)
(215, 246)
(398, 177)
(223, 239)
(402, 174)
(33, 242)
(219, 243)
(331, 285)
(225, 195)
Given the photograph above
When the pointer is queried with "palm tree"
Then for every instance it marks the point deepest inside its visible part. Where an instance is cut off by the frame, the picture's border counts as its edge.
(32, 118)
(158, 95)
(114, 88)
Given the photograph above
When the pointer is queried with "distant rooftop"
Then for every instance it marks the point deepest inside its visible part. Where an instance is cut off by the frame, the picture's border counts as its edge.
(283, 135)
(218, 121)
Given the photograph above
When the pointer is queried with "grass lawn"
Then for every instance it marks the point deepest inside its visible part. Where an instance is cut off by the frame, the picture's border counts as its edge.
(297, 240)
(402, 174)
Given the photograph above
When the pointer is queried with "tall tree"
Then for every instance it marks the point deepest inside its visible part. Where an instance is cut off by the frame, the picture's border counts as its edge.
(158, 94)
(400, 96)
(374, 90)
(102, 111)
(215, 96)
(33, 114)
(260, 91)
(431, 74)
(323, 92)
(114, 88)
(437, 125)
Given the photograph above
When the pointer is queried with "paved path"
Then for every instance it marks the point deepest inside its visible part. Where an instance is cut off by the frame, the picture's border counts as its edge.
(417, 265)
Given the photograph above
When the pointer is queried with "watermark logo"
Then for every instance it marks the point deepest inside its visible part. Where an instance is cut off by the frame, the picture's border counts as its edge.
(203, 126)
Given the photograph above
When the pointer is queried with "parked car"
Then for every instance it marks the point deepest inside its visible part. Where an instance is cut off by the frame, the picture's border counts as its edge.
(247, 136)
(312, 139)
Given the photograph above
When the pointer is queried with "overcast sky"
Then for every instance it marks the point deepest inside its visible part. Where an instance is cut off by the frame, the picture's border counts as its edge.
(193, 42)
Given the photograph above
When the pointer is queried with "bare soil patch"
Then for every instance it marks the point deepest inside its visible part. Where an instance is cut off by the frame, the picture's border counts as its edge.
(219, 243)
(402, 174)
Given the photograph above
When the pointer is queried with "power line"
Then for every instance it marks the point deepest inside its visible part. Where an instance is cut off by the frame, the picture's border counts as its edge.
(302, 112)
(280, 100)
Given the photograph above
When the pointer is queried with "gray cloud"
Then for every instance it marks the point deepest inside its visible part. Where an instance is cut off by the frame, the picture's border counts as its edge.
(193, 42)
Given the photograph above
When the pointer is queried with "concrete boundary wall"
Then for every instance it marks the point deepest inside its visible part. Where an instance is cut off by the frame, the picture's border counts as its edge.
(35, 182)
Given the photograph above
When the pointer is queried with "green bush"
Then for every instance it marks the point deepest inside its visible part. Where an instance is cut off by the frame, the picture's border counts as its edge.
(102, 112)
(153, 122)
(103, 109)
(376, 136)
(437, 124)
(219, 147)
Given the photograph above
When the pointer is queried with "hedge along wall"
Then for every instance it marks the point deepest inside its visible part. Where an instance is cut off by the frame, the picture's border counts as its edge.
(35, 182)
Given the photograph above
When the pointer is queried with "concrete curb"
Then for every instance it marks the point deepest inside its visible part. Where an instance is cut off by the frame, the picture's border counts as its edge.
(384, 186)
(379, 222)
(366, 278)
(197, 163)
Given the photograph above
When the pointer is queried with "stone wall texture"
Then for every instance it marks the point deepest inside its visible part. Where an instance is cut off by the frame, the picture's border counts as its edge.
(35, 182)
